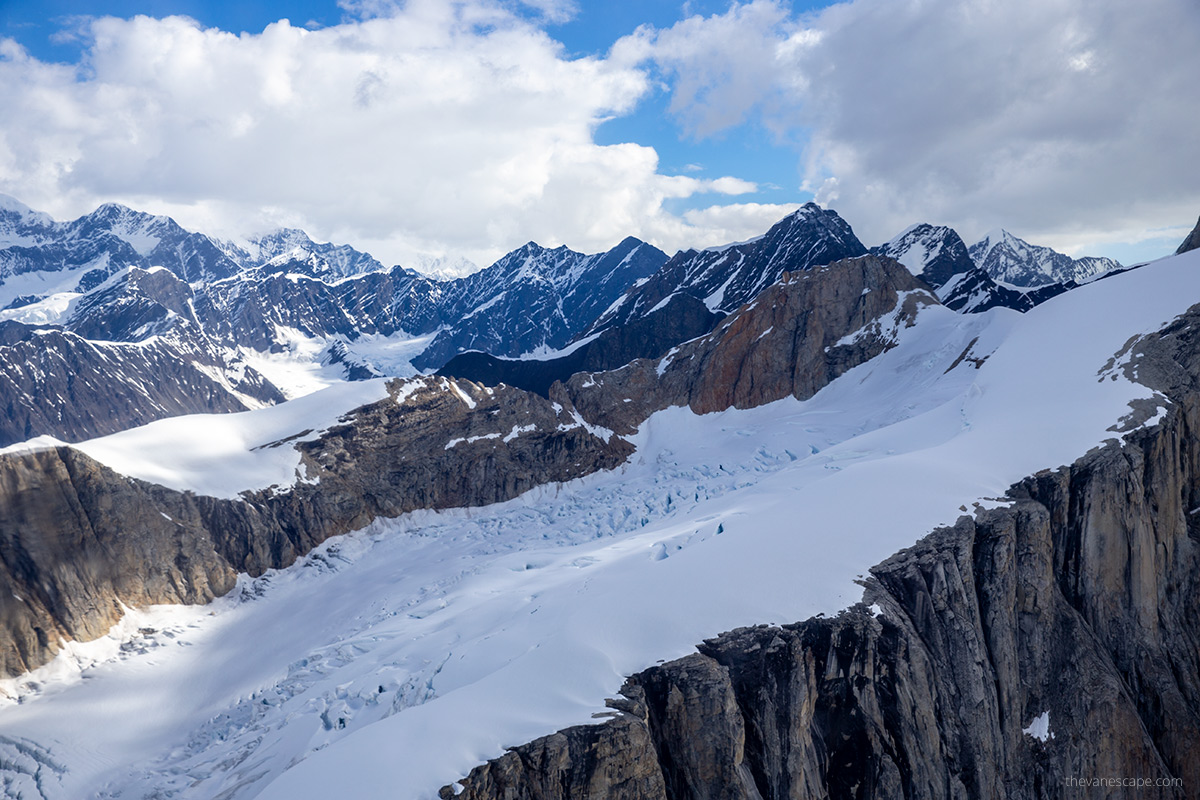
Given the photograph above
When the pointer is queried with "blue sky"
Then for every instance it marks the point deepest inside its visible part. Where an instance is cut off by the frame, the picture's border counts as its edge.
(686, 124)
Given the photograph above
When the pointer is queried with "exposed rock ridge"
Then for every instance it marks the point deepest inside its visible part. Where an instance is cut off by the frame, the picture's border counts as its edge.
(1192, 242)
(77, 540)
(1076, 603)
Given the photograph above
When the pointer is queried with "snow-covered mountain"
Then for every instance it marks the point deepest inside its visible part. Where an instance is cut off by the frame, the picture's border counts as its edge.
(1014, 261)
(938, 256)
(536, 298)
(849, 415)
(39, 254)
(304, 313)
(299, 315)
(726, 277)
(127, 352)
(288, 250)
(934, 253)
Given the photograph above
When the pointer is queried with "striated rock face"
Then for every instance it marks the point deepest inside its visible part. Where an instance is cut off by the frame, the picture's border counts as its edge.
(1076, 604)
(1192, 242)
(53, 382)
(795, 337)
(77, 540)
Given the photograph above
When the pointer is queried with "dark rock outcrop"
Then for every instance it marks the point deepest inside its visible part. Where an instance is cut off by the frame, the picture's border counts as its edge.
(1192, 242)
(682, 318)
(975, 291)
(77, 540)
(1076, 603)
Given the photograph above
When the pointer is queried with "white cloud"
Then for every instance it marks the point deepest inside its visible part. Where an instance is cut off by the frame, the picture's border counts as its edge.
(1066, 120)
(427, 127)
(735, 221)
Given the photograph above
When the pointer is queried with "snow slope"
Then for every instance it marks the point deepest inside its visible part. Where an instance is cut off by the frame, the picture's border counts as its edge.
(223, 454)
(392, 660)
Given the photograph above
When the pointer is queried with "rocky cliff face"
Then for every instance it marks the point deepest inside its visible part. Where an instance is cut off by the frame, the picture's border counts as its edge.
(77, 540)
(1030, 646)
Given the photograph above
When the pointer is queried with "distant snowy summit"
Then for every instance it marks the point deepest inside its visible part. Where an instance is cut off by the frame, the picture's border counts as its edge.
(445, 268)
(1001, 270)
(291, 251)
(934, 253)
(1014, 261)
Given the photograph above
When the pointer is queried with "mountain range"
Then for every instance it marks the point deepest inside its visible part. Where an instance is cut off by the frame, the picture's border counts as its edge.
(509, 585)
(127, 293)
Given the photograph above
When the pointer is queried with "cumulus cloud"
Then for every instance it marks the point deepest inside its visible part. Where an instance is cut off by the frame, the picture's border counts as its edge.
(427, 127)
(1067, 121)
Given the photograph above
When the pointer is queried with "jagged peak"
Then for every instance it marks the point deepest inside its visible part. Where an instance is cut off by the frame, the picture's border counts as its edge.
(923, 231)
(993, 239)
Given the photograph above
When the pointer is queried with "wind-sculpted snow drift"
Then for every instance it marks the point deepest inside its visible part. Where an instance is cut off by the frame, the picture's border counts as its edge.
(438, 640)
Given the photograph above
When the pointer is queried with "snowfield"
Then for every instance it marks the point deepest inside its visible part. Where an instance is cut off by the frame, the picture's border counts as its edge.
(391, 661)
